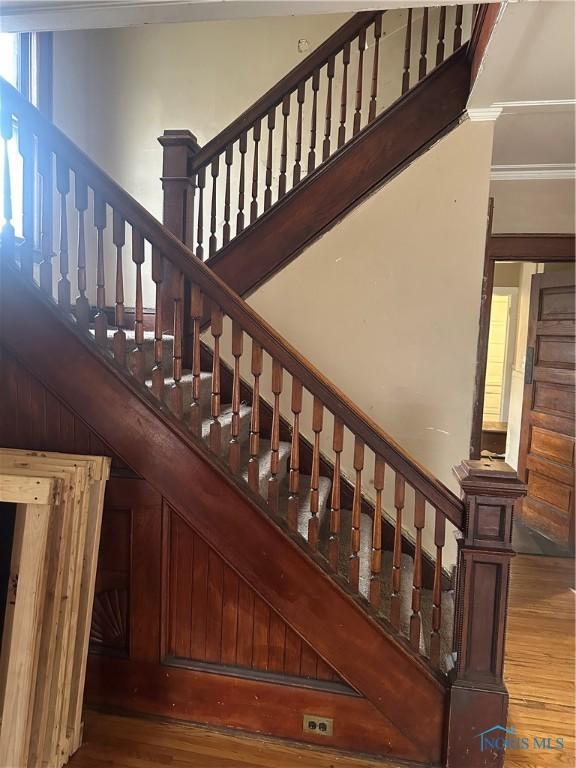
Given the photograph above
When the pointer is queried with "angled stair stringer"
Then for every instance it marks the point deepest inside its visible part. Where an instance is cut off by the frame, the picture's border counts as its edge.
(379, 152)
(409, 698)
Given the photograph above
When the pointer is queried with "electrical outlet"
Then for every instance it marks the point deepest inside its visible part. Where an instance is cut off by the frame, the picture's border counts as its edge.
(321, 726)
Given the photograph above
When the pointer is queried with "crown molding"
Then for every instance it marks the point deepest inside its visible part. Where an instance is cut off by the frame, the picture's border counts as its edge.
(479, 114)
(543, 105)
(551, 171)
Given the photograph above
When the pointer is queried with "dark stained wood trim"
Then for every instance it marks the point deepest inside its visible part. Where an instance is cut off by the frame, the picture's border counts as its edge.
(374, 156)
(288, 83)
(481, 34)
(241, 703)
(544, 248)
(223, 510)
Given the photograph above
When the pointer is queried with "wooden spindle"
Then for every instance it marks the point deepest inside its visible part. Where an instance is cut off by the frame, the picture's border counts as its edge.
(458, 27)
(314, 120)
(214, 171)
(294, 479)
(63, 187)
(415, 619)
(284, 147)
(395, 604)
(177, 291)
(359, 82)
(354, 564)
(196, 316)
(441, 36)
(297, 173)
(119, 238)
(200, 226)
(46, 224)
(158, 367)
(242, 146)
(375, 68)
(7, 227)
(335, 498)
(439, 541)
(216, 327)
(407, 54)
(26, 148)
(254, 461)
(237, 343)
(376, 563)
(269, 159)
(275, 436)
(328, 114)
(138, 356)
(313, 522)
(81, 203)
(101, 320)
(228, 159)
(423, 64)
(256, 133)
(344, 95)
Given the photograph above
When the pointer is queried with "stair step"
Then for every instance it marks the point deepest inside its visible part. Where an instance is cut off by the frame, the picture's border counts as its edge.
(147, 346)
(264, 461)
(186, 386)
(225, 420)
(324, 487)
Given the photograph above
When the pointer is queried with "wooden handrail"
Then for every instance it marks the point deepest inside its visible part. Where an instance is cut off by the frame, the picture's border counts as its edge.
(181, 258)
(330, 47)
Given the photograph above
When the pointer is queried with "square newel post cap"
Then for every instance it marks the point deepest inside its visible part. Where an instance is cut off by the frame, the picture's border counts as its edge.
(489, 477)
(180, 137)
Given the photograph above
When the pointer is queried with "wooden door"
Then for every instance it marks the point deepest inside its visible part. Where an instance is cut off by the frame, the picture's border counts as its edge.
(546, 461)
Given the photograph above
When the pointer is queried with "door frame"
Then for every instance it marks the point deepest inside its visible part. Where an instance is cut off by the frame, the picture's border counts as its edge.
(539, 248)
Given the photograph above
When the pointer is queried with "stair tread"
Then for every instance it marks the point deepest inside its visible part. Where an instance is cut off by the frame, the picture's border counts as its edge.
(187, 378)
(225, 417)
(324, 488)
(264, 461)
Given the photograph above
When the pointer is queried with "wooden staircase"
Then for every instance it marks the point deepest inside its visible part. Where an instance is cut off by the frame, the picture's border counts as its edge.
(326, 523)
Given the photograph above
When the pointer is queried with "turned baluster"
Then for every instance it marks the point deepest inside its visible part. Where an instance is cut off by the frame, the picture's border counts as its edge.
(284, 147)
(375, 66)
(196, 315)
(399, 496)
(100, 321)
(177, 291)
(344, 95)
(407, 53)
(294, 479)
(376, 564)
(254, 461)
(441, 35)
(335, 500)
(81, 203)
(423, 64)
(300, 95)
(242, 145)
(7, 227)
(275, 436)
(216, 327)
(63, 187)
(269, 159)
(256, 132)
(328, 115)
(228, 158)
(158, 367)
(314, 120)
(138, 357)
(354, 565)
(359, 83)
(237, 343)
(458, 28)
(119, 238)
(26, 148)
(313, 522)
(46, 221)
(439, 541)
(214, 171)
(200, 225)
(415, 619)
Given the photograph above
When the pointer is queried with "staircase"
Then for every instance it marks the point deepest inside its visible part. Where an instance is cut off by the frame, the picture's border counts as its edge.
(329, 524)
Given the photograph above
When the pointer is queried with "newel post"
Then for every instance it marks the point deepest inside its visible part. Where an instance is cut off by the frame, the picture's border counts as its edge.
(178, 185)
(478, 697)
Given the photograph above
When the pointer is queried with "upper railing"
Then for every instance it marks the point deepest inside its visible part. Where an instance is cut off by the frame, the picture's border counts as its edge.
(311, 113)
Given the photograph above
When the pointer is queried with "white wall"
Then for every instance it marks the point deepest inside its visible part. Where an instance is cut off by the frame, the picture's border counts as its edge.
(532, 206)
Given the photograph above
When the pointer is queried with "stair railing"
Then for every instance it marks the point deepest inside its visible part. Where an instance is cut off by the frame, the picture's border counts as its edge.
(69, 227)
(306, 118)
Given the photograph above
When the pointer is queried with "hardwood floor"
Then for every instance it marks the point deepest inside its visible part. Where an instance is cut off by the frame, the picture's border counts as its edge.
(539, 674)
